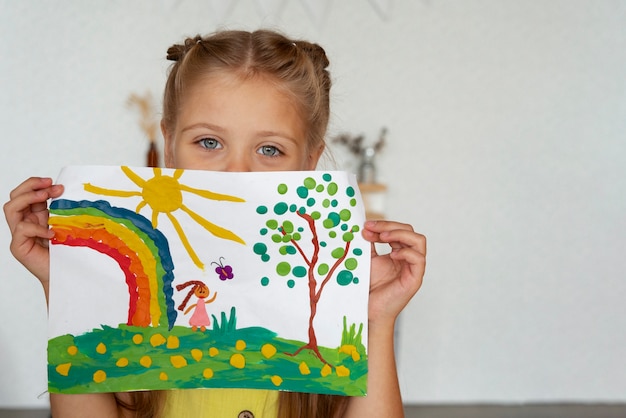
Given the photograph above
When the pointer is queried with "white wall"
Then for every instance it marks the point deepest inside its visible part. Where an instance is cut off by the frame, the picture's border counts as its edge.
(506, 148)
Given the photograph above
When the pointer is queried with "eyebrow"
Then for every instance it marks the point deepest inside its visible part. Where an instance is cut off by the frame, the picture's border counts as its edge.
(203, 125)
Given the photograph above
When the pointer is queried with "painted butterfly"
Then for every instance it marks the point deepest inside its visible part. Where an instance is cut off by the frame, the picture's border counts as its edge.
(223, 272)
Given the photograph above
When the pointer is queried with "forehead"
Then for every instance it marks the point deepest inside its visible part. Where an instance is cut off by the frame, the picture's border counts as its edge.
(226, 96)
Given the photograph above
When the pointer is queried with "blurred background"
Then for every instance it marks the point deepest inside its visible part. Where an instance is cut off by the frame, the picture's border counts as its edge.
(505, 145)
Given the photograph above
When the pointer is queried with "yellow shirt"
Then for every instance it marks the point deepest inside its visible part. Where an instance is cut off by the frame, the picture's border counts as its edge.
(221, 403)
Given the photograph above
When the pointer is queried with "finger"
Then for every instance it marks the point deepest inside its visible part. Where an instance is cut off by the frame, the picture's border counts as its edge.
(24, 234)
(33, 183)
(403, 238)
(380, 226)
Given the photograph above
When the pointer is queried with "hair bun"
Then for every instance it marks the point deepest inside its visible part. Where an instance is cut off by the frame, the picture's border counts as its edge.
(177, 51)
(315, 52)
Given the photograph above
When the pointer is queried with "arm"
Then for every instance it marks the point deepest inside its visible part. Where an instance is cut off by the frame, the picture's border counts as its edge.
(395, 278)
(27, 215)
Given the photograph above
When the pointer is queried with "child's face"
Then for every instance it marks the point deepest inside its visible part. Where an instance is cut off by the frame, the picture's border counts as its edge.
(226, 124)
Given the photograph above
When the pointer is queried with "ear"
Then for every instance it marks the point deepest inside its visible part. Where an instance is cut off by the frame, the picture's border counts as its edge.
(314, 156)
(168, 146)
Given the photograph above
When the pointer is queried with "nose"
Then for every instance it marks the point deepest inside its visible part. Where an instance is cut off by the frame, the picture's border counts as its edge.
(238, 163)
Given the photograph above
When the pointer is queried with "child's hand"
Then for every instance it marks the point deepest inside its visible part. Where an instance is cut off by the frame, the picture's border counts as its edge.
(27, 215)
(397, 276)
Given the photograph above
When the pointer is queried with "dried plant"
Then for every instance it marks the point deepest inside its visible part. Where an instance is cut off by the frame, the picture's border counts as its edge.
(355, 144)
(147, 116)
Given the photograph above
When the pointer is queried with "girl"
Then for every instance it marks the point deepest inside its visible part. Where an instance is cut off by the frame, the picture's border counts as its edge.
(240, 101)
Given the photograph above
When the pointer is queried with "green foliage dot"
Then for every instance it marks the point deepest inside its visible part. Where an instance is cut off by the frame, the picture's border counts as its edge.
(334, 203)
(344, 227)
(350, 191)
(296, 236)
(332, 189)
(323, 243)
(272, 224)
(263, 231)
(353, 202)
(259, 248)
(310, 202)
(332, 234)
(277, 238)
(328, 223)
(327, 177)
(287, 249)
(286, 238)
(337, 252)
(344, 277)
(299, 271)
(348, 236)
(291, 283)
(326, 203)
(309, 183)
(288, 227)
(282, 188)
(302, 191)
(357, 251)
(322, 269)
(355, 280)
(300, 229)
(265, 281)
(265, 258)
(280, 208)
(345, 215)
(261, 210)
(283, 268)
(316, 215)
(355, 228)
(351, 263)
(319, 188)
(293, 208)
(334, 218)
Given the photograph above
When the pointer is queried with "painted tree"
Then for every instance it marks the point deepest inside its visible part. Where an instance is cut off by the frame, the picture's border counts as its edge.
(303, 228)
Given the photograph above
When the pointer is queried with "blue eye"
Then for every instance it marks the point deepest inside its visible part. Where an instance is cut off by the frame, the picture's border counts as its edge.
(269, 151)
(209, 143)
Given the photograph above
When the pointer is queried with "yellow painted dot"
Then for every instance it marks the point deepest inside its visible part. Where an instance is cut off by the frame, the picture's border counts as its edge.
(304, 369)
(157, 340)
(99, 376)
(196, 354)
(64, 369)
(145, 361)
(213, 351)
(356, 356)
(268, 350)
(238, 360)
(277, 380)
(342, 371)
(137, 338)
(326, 370)
(240, 345)
(72, 350)
(347, 348)
(178, 361)
(122, 362)
(207, 373)
(101, 348)
(173, 342)
(163, 376)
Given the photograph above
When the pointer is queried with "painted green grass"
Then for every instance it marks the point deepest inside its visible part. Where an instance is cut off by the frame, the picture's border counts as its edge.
(111, 359)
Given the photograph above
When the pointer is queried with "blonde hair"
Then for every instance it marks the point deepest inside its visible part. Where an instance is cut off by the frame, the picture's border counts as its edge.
(297, 67)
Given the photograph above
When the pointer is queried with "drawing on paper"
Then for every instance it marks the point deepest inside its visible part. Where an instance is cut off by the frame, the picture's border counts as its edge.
(293, 241)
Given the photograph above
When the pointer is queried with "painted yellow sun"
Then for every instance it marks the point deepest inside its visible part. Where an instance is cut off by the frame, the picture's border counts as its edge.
(164, 194)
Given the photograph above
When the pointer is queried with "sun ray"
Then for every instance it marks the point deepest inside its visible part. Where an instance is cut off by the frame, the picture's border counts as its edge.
(177, 173)
(211, 195)
(218, 231)
(133, 176)
(155, 219)
(185, 241)
(109, 192)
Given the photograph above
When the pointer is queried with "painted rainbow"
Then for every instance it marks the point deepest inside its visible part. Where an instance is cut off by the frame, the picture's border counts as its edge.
(141, 251)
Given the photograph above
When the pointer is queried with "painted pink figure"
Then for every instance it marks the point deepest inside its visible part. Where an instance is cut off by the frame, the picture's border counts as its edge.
(200, 317)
